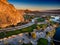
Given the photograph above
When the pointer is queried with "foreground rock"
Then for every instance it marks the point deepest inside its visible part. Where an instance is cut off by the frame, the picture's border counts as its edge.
(9, 15)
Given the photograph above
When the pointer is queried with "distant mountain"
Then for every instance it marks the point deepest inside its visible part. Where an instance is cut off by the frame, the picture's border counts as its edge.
(56, 11)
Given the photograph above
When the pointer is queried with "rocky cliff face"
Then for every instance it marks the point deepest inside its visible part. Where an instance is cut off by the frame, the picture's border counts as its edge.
(9, 15)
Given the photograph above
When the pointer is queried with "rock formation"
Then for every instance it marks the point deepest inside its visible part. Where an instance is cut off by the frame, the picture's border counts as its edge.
(9, 15)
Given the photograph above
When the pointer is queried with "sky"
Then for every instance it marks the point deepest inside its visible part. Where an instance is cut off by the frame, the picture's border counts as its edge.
(36, 4)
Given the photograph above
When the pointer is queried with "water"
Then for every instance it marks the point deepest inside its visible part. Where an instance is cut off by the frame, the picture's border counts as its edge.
(55, 19)
(57, 36)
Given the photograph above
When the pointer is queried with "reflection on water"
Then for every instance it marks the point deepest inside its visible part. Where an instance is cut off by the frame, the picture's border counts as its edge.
(57, 36)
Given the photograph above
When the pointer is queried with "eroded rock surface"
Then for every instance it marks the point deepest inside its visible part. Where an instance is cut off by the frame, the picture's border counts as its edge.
(9, 15)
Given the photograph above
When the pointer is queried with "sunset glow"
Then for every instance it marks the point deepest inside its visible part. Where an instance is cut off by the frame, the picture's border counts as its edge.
(36, 4)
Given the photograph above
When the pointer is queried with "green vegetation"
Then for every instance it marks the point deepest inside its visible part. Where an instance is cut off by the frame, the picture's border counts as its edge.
(40, 19)
(28, 29)
(1, 35)
(52, 22)
(27, 44)
(42, 25)
(29, 17)
(42, 41)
